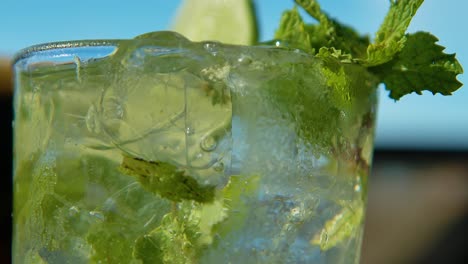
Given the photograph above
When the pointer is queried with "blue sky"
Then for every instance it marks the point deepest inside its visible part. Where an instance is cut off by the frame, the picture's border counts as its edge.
(415, 121)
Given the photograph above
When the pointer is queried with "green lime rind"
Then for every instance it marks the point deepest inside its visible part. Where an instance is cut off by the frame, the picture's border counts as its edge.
(228, 21)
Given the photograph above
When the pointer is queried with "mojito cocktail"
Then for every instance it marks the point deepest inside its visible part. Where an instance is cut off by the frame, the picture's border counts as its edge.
(162, 150)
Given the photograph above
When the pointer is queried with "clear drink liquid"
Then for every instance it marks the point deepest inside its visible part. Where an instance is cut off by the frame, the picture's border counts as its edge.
(161, 150)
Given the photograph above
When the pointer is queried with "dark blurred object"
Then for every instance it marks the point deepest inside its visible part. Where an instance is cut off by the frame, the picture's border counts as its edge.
(417, 208)
(6, 80)
(456, 235)
(5, 159)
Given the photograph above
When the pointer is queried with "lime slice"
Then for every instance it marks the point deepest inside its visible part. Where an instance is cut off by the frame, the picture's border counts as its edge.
(228, 21)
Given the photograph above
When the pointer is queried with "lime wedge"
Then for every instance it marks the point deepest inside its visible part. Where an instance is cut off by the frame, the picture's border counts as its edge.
(228, 21)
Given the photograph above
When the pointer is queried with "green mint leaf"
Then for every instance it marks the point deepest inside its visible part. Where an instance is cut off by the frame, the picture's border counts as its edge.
(235, 204)
(314, 10)
(172, 242)
(110, 244)
(421, 65)
(332, 34)
(186, 231)
(327, 33)
(322, 95)
(114, 221)
(148, 249)
(340, 227)
(390, 38)
(392, 56)
(207, 216)
(292, 30)
(167, 180)
(349, 41)
(326, 53)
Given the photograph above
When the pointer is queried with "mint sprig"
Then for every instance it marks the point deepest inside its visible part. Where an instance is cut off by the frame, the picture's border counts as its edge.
(421, 65)
(390, 38)
(326, 33)
(186, 231)
(166, 180)
(292, 30)
(405, 63)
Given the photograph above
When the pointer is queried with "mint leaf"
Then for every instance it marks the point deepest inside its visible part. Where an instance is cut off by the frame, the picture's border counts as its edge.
(331, 34)
(292, 30)
(349, 41)
(328, 33)
(314, 10)
(186, 231)
(110, 244)
(235, 205)
(406, 63)
(326, 53)
(207, 216)
(421, 65)
(322, 95)
(167, 180)
(148, 249)
(339, 228)
(172, 242)
(390, 38)
(115, 219)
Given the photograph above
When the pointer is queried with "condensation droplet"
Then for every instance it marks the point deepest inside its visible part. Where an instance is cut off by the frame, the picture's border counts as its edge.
(73, 211)
(98, 215)
(343, 114)
(244, 60)
(357, 188)
(211, 47)
(119, 111)
(36, 89)
(218, 167)
(208, 144)
(110, 205)
(77, 61)
(323, 238)
(189, 130)
(295, 211)
(91, 120)
(113, 108)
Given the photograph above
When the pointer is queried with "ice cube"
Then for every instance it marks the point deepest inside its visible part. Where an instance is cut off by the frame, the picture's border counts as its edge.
(169, 103)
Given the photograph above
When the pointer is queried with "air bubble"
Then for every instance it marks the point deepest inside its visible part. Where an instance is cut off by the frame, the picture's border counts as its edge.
(208, 144)
(73, 211)
(114, 108)
(357, 188)
(358, 185)
(218, 167)
(91, 120)
(211, 47)
(98, 215)
(244, 60)
(189, 130)
(77, 61)
(164, 38)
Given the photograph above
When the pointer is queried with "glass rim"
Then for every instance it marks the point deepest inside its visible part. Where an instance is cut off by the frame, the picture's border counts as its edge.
(58, 45)
(30, 51)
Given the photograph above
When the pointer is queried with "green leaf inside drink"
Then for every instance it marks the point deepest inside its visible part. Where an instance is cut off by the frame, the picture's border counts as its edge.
(405, 63)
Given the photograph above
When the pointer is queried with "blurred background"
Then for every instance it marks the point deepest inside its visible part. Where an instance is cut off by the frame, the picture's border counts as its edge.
(418, 198)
